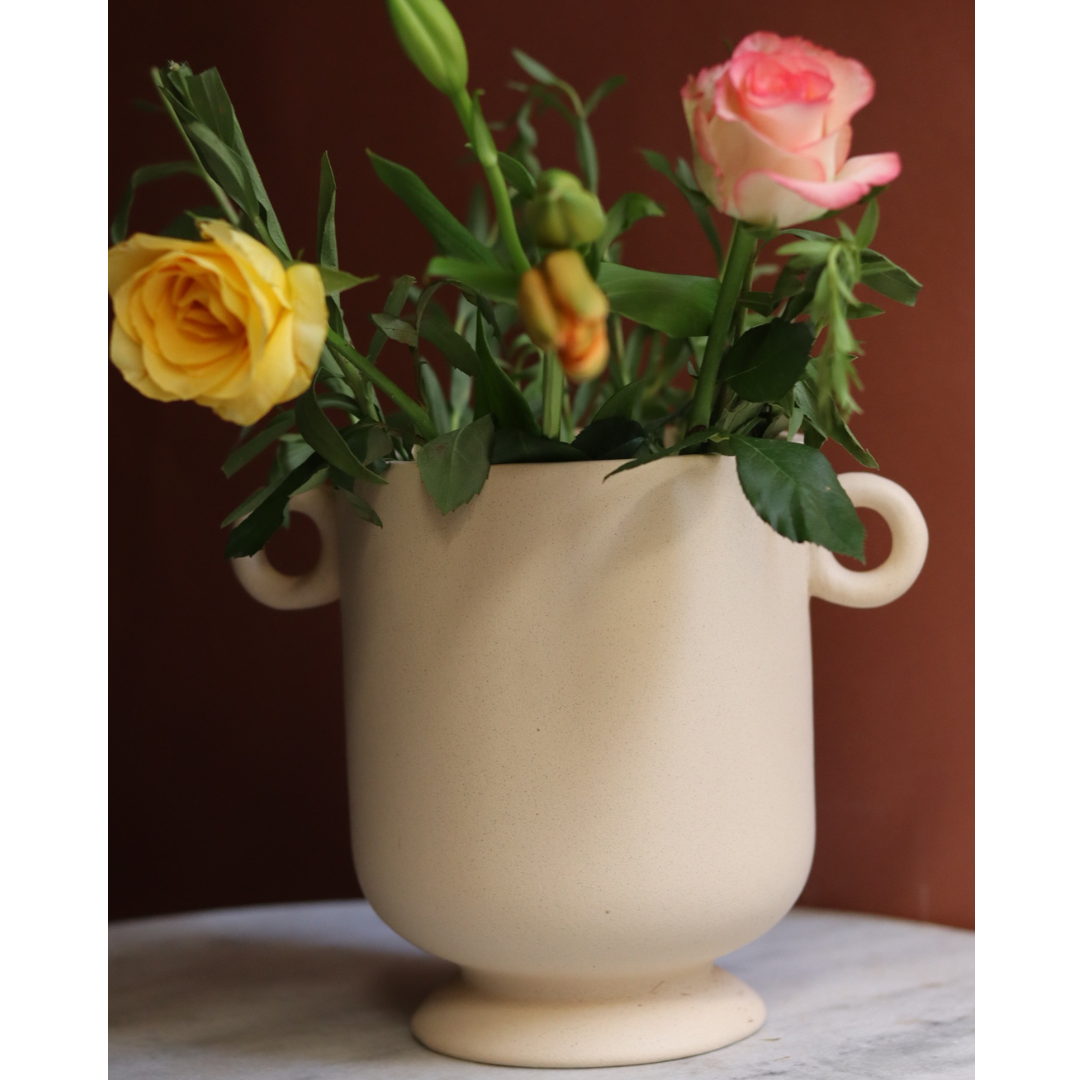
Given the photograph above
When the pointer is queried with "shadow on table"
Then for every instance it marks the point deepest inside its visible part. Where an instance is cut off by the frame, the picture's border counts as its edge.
(268, 998)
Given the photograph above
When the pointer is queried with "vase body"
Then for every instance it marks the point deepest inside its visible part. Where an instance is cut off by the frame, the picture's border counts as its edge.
(579, 730)
(580, 742)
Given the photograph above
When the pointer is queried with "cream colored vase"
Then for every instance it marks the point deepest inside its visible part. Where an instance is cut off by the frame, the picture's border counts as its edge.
(580, 741)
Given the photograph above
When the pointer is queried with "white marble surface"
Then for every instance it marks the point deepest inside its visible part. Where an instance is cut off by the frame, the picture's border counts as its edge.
(324, 991)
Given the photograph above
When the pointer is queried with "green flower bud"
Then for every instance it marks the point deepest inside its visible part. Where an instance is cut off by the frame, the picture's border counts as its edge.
(564, 213)
(429, 35)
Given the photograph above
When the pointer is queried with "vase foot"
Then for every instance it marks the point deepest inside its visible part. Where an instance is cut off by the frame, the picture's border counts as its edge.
(556, 1024)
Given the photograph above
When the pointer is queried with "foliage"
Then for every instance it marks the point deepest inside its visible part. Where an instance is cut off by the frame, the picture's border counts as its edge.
(717, 364)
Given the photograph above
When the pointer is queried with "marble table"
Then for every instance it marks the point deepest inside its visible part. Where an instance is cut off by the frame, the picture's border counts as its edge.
(324, 992)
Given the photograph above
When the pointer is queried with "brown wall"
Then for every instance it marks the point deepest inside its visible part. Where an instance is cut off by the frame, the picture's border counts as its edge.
(228, 780)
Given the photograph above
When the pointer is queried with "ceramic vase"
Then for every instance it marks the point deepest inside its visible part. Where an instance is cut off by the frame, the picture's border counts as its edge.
(580, 741)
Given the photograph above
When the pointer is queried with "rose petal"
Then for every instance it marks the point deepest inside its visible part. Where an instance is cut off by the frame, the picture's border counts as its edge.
(138, 251)
(760, 199)
(853, 181)
(308, 298)
(853, 89)
(127, 355)
(265, 382)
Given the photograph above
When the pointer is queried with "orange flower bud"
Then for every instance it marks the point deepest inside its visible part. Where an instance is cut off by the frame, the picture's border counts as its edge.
(564, 311)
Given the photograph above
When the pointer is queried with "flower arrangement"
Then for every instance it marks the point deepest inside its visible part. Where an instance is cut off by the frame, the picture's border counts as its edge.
(555, 350)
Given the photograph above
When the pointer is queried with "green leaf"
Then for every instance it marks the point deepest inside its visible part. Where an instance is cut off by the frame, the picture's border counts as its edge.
(495, 282)
(794, 489)
(314, 481)
(868, 223)
(806, 253)
(766, 362)
(369, 442)
(325, 439)
(257, 443)
(396, 329)
(436, 328)
(512, 446)
(248, 505)
(610, 438)
(436, 399)
(623, 402)
(450, 236)
(455, 466)
(363, 508)
(326, 252)
(587, 156)
(761, 303)
(147, 174)
(516, 175)
(208, 97)
(679, 305)
(337, 281)
(535, 69)
(863, 311)
(693, 440)
(828, 424)
(843, 436)
(628, 209)
(885, 277)
(253, 532)
(226, 167)
(602, 92)
(496, 392)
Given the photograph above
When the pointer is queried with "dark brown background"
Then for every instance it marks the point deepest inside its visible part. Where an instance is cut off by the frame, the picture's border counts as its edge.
(228, 783)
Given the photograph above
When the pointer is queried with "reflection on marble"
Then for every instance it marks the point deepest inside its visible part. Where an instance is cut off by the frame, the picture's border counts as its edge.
(324, 992)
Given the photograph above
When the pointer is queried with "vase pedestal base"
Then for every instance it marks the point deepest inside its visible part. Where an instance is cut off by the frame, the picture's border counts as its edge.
(560, 1023)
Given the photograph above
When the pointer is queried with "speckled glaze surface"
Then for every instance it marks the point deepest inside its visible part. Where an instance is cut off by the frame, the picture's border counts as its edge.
(580, 743)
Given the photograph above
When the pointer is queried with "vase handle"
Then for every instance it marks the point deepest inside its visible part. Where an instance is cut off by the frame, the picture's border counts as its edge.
(318, 586)
(885, 583)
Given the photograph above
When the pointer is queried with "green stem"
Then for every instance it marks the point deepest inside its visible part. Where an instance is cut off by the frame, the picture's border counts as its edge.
(553, 396)
(741, 251)
(344, 351)
(489, 162)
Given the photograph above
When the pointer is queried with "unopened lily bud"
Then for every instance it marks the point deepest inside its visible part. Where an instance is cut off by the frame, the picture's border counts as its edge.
(429, 35)
(563, 213)
(564, 311)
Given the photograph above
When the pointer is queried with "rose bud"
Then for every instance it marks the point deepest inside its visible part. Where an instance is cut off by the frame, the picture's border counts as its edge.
(220, 322)
(564, 311)
(771, 132)
(429, 35)
(563, 213)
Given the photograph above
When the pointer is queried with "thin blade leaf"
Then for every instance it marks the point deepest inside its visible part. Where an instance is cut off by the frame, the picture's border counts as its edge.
(610, 438)
(515, 447)
(517, 176)
(147, 174)
(325, 439)
(496, 392)
(885, 277)
(252, 533)
(679, 305)
(337, 281)
(257, 443)
(449, 234)
(496, 282)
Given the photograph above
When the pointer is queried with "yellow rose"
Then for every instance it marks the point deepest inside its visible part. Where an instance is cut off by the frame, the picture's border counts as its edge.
(219, 321)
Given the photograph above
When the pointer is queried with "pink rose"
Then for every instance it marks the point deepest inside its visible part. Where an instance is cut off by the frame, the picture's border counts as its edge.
(771, 132)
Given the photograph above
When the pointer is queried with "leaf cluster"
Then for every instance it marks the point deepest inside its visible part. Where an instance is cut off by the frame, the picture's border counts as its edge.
(786, 365)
